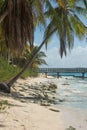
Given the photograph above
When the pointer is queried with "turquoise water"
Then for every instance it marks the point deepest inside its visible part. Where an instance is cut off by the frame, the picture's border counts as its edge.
(74, 93)
(69, 74)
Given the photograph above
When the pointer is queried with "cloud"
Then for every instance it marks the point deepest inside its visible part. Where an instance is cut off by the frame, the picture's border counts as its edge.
(77, 58)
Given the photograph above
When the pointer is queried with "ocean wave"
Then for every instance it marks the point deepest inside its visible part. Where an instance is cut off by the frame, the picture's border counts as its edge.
(82, 81)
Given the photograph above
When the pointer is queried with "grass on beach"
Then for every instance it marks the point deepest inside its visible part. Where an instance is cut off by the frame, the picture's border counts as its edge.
(3, 104)
(70, 128)
(8, 71)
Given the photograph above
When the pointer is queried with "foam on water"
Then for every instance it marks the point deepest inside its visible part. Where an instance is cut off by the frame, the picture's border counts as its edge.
(74, 92)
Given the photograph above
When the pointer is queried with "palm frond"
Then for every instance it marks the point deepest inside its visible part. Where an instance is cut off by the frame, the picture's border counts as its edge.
(85, 3)
(42, 54)
(50, 30)
(70, 24)
(62, 3)
(81, 10)
(71, 3)
(18, 24)
(79, 28)
(38, 13)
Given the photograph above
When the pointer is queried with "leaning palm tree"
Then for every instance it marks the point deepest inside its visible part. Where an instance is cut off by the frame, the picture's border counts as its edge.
(22, 29)
(26, 56)
(39, 60)
(17, 19)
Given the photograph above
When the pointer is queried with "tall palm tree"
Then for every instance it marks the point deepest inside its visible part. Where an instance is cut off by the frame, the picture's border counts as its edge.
(18, 19)
(66, 23)
(18, 25)
(18, 10)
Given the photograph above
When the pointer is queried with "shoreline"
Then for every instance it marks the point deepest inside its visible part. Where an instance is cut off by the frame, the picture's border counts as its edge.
(28, 114)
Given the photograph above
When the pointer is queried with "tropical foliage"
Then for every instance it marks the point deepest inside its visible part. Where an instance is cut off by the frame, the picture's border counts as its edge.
(19, 19)
(65, 21)
(63, 15)
(39, 58)
(7, 71)
(26, 56)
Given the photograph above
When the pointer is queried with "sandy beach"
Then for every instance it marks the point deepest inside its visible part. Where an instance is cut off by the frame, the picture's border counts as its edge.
(28, 109)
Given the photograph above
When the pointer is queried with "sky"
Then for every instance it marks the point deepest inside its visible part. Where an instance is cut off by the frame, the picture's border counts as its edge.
(77, 57)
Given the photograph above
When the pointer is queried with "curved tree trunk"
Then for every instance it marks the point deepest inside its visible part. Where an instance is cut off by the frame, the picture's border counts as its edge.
(7, 87)
(12, 81)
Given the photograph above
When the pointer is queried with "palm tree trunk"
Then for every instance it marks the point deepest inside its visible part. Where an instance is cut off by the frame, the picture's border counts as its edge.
(12, 81)
(3, 16)
(9, 55)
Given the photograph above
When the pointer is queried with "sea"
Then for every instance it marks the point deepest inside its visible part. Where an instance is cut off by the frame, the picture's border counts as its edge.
(72, 90)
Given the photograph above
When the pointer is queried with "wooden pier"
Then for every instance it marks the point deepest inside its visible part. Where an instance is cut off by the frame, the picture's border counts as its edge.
(63, 70)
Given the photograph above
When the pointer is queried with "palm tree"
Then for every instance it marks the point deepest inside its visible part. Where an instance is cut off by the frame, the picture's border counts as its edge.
(18, 29)
(39, 58)
(66, 23)
(26, 56)
(17, 19)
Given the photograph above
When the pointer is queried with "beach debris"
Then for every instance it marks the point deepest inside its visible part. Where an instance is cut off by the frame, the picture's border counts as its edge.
(61, 100)
(54, 109)
(65, 84)
(53, 86)
(71, 128)
(43, 93)
(44, 103)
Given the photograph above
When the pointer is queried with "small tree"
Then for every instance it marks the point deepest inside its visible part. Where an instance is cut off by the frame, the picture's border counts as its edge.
(26, 56)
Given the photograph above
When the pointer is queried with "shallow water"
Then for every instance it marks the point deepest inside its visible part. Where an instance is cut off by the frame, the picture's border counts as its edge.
(73, 91)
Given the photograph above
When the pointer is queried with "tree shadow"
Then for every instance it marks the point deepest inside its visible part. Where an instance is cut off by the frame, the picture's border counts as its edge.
(35, 94)
(2, 125)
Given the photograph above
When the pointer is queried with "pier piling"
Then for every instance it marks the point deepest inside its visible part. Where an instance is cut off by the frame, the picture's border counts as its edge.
(83, 75)
(57, 74)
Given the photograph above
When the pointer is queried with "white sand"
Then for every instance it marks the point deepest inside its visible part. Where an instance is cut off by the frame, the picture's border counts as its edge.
(26, 115)
(29, 116)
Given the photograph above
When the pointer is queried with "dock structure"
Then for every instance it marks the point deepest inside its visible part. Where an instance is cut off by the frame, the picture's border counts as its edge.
(63, 70)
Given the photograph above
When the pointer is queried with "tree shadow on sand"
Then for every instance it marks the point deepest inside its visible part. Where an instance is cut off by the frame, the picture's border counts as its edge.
(43, 94)
(1, 126)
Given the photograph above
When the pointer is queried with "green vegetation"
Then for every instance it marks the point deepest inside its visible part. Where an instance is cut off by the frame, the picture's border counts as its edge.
(20, 18)
(29, 73)
(8, 71)
(26, 56)
(39, 60)
(3, 104)
(71, 128)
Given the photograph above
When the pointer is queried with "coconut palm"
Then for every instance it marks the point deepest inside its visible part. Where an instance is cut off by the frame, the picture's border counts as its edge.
(39, 58)
(66, 25)
(26, 56)
(18, 29)
(18, 19)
